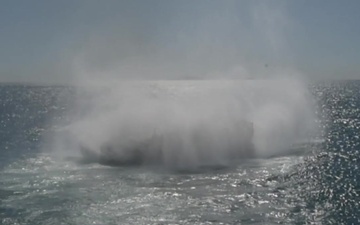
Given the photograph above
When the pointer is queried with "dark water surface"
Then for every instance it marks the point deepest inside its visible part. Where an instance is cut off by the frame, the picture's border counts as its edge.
(319, 184)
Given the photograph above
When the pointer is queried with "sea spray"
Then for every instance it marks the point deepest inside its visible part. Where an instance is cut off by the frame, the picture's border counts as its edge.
(189, 90)
(188, 124)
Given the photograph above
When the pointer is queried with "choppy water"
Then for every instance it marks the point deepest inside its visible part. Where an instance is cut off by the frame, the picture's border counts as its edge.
(319, 183)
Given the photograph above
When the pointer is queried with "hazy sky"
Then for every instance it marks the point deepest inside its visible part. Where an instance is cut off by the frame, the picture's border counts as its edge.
(55, 41)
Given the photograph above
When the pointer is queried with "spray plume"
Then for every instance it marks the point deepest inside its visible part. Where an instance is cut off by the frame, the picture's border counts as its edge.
(142, 108)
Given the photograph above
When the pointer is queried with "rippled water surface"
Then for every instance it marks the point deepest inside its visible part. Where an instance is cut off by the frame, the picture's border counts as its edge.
(317, 183)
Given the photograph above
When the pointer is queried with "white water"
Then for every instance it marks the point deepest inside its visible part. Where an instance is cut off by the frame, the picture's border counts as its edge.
(187, 124)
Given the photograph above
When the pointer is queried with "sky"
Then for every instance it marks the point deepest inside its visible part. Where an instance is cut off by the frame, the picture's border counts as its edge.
(50, 41)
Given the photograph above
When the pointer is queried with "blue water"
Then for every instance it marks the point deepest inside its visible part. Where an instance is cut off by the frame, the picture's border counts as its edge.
(318, 184)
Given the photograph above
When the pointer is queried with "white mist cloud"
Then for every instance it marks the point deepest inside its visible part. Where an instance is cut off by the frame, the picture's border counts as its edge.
(189, 123)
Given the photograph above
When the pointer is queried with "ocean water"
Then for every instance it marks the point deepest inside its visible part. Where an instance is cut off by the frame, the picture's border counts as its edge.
(317, 183)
